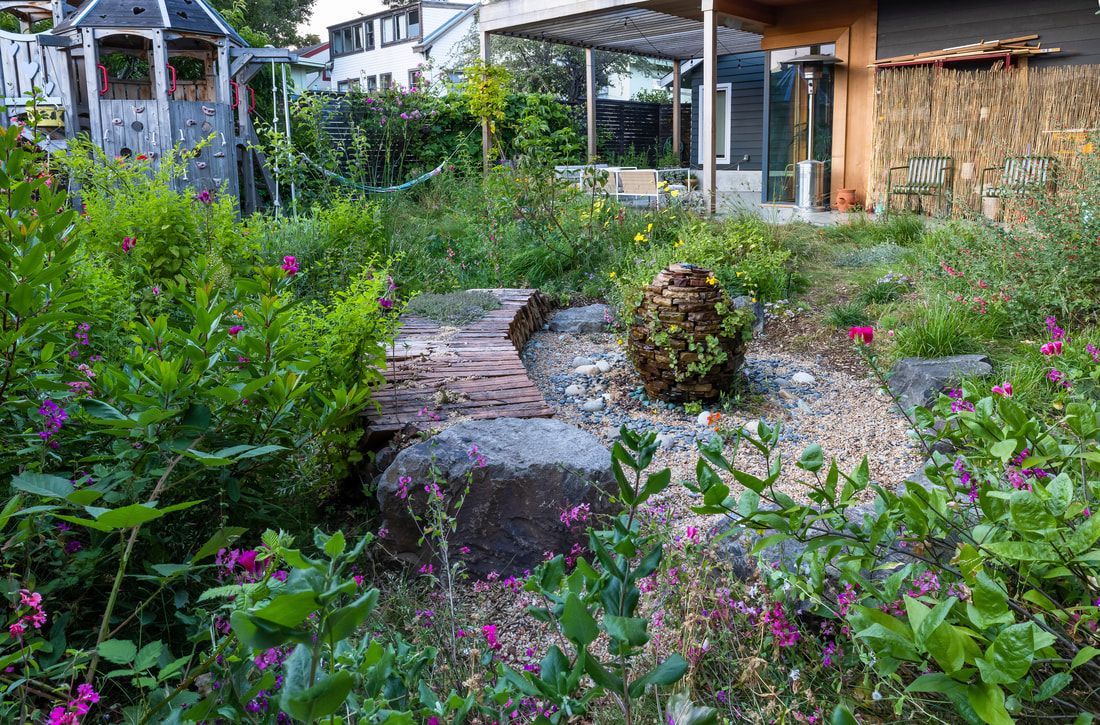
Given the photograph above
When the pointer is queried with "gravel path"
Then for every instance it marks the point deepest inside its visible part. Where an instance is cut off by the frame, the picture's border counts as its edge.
(815, 399)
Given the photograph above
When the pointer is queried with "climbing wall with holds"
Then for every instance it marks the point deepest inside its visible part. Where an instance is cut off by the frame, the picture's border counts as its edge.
(206, 130)
(131, 128)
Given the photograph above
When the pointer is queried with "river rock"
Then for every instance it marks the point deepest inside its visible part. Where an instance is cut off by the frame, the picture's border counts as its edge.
(919, 381)
(576, 320)
(531, 471)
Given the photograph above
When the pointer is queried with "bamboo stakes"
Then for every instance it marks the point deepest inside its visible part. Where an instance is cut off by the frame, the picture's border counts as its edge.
(980, 117)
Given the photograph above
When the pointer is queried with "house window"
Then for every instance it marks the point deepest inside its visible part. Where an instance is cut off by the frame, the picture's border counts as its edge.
(385, 80)
(722, 122)
(414, 78)
(372, 84)
(399, 27)
(348, 85)
(352, 39)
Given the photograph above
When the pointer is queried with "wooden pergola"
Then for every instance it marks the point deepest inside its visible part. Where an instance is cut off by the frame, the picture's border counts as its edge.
(673, 30)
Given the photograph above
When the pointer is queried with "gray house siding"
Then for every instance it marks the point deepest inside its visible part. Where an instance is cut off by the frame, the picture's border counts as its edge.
(906, 27)
(745, 74)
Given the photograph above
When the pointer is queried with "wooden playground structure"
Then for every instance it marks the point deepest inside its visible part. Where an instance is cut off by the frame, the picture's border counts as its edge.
(141, 77)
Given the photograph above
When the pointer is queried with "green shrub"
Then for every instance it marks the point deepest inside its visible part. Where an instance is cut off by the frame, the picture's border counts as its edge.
(939, 329)
(455, 308)
(332, 243)
(879, 255)
(879, 293)
(897, 229)
(848, 314)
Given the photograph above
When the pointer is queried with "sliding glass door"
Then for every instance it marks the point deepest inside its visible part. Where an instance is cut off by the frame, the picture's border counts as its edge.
(788, 121)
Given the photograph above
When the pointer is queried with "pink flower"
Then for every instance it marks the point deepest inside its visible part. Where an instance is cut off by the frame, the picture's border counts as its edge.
(247, 560)
(385, 303)
(1051, 348)
(490, 632)
(692, 534)
(290, 265)
(863, 335)
(128, 243)
(235, 330)
(205, 197)
(156, 290)
(1004, 389)
(17, 629)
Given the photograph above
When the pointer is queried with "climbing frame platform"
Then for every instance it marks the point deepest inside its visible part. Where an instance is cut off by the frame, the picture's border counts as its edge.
(441, 374)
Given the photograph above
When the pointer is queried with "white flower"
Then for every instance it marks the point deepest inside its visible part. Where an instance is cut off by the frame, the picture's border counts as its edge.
(876, 695)
(795, 674)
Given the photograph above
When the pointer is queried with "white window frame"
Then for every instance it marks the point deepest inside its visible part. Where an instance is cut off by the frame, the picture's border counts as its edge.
(722, 156)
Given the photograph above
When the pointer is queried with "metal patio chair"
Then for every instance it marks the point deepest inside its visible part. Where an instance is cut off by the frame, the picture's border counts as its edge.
(924, 176)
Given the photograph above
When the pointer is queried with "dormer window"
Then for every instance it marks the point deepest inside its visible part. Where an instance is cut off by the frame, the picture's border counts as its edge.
(401, 26)
(352, 38)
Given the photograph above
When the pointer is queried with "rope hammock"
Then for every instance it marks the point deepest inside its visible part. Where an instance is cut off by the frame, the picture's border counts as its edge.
(388, 189)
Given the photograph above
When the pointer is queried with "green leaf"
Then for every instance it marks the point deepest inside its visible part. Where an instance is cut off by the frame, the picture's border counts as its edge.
(148, 656)
(576, 622)
(1025, 550)
(288, 609)
(1028, 513)
(126, 517)
(666, 673)
(813, 459)
(1084, 536)
(988, 603)
(1086, 654)
(323, 698)
(631, 630)
(682, 711)
(345, 620)
(1004, 450)
(1009, 658)
(1052, 686)
(335, 545)
(41, 484)
(842, 716)
(1061, 493)
(989, 702)
(220, 540)
(118, 651)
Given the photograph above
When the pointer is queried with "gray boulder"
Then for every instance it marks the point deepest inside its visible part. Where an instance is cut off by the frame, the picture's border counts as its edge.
(576, 320)
(918, 381)
(757, 311)
(532, 470)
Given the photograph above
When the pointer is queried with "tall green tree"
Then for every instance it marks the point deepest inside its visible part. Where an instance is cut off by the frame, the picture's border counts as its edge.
(268, 21)
(539, 67)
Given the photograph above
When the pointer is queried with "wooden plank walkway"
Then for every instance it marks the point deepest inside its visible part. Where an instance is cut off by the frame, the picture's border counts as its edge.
(474, 371)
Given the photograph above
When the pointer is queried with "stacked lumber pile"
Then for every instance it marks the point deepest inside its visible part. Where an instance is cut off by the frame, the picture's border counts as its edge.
(1007, 49)
(679, 310)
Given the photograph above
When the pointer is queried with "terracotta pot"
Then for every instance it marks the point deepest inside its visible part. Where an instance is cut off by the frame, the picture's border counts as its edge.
(845, 199)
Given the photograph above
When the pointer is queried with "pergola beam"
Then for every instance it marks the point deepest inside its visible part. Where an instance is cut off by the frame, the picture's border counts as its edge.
(590, 100)
(752, 12)
(709, 98)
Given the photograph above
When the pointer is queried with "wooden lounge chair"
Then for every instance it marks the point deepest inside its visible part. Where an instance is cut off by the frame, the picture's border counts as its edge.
(1020, 175)
(924, 176)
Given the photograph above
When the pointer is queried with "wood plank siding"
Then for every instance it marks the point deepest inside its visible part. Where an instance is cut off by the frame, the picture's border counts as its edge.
(745, 74)
(907, 27)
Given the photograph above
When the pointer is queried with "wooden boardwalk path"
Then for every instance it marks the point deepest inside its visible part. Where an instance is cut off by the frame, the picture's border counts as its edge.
(435, 373)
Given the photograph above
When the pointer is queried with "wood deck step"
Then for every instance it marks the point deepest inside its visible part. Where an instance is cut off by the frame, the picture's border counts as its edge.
(473, 371)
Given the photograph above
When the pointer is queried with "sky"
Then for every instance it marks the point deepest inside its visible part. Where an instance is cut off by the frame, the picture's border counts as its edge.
(330, 12)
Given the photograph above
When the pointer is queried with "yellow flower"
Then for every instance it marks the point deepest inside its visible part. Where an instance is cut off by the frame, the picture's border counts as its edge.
(619, 341)
(712, 280)
(679, 243)
(673, 328)
(674, 193)
(739, 273)
(639, 237)
(649, 228)
(612, 275)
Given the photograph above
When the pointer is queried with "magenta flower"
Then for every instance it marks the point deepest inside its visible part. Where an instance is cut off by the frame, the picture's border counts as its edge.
(235, 330)
(863, 335)
(385, 303)
(290, 265)
(1051, 348)
(128, 243)
(156, 290)
(1004, 389)
(205, 197)
(490, 632)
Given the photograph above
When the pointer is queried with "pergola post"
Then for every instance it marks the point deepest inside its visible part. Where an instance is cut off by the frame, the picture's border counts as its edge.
(709, 91)
(676, 110)
(590, 88)
(486, 131)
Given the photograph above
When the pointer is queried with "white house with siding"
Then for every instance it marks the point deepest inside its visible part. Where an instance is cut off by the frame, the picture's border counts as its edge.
(388, 45)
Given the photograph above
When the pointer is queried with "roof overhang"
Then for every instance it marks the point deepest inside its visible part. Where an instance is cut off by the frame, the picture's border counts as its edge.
(664, 29)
